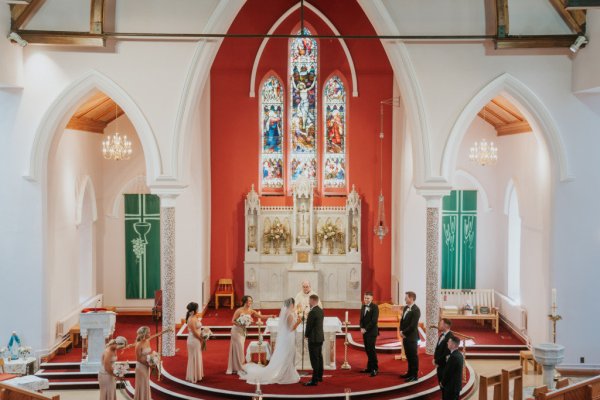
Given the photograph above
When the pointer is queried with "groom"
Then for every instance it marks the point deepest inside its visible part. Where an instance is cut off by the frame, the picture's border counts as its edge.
(315, 336)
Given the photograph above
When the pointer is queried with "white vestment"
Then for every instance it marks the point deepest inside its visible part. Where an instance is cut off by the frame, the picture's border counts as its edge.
(302, 300)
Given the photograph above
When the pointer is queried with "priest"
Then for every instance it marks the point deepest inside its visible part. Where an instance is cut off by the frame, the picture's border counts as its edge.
(303, 297)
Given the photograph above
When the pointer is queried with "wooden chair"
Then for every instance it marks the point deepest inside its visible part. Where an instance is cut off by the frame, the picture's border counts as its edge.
(224, 289)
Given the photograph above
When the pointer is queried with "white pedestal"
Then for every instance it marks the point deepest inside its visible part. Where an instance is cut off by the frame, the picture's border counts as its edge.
(549, 355)
(96, 327)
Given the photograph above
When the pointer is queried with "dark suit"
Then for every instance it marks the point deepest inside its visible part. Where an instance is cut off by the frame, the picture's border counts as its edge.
(315, 335)
(441, 351)
(452, 379)
(409, 326)
(368, 322)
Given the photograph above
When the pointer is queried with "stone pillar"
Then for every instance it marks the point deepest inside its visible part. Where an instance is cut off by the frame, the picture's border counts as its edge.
(167, 270)
(432, 267)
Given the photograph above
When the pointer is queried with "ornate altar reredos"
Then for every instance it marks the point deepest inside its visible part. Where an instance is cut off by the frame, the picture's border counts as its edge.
(287, 245)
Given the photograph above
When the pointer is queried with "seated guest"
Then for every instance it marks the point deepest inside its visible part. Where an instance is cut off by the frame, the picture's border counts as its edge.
(106, 376)
(303, 298)
(195, 370)
(142, 368)
(441, 349)
(452, 379)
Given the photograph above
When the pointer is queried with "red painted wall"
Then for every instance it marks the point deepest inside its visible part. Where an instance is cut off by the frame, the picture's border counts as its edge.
(235, 139)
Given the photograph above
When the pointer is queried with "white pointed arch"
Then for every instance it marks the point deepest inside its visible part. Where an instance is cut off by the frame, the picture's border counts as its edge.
(86, 185)
(511, 187)
(63, 107)
(529, 104)
(137, 184)
(478, 186)
(327, 22)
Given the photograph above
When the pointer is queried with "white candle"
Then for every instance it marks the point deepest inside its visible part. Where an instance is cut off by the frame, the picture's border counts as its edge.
(346, 316)
(554, 297)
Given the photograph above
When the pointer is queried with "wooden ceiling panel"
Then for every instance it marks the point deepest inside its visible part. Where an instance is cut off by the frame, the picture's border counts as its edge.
(504, 117)
(94, 114)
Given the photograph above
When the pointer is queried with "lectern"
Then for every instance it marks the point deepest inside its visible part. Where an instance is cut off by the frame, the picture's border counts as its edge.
(95, 328)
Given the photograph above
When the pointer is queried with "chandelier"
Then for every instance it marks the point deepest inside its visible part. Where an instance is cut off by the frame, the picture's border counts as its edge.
(116, 147)
(484, 153)
(381, 228)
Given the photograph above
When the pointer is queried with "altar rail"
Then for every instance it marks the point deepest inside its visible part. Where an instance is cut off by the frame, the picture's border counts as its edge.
(8, 392)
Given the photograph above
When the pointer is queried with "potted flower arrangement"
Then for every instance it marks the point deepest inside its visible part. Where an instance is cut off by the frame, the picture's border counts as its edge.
(468, 309)
(276, 235)
(329, 232)
(24, 352)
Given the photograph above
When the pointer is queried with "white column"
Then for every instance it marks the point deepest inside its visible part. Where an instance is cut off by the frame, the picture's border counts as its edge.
(432, 267)
(167, 268)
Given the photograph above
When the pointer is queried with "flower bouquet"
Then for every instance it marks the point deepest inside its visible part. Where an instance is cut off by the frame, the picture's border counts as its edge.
(24, 352)
(329, 231)
(153, 359)
(244, 321)
(205, 333)
(120, 369)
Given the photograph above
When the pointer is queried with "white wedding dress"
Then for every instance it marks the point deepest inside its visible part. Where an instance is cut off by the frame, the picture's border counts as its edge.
(281, 368)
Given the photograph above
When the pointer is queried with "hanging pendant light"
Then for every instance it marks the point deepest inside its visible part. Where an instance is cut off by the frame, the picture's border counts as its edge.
(116, 147)
(381, 229)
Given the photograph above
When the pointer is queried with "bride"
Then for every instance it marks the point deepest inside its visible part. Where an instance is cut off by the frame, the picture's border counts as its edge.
(281, 368)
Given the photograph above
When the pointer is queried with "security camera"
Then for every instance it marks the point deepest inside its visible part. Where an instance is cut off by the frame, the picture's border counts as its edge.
(15, 37)
(580, 41)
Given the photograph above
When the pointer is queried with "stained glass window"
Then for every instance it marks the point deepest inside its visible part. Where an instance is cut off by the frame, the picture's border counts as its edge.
(272, 135)
(334, 158)
(303, 107)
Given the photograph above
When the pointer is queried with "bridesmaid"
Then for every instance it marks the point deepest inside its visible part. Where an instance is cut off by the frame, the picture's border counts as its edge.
(238, 336)
(195, 370)
(142, 368)
(106, 377)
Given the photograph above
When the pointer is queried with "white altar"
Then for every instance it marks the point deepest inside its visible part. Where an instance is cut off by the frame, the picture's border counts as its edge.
(285, 245)
(331, 325)
(95, 328)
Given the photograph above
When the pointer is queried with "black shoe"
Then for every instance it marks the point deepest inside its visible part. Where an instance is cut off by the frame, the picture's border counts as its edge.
(411, 379)
(320, 379)
(311, 383)
(373, 373)
(366, 371)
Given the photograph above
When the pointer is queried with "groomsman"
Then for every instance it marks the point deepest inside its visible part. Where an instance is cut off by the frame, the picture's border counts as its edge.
(452, 379)
(369, 314)
(409, 331)
(441, 349)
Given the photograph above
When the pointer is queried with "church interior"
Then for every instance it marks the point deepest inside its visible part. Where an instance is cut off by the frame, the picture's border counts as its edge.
(189, 183)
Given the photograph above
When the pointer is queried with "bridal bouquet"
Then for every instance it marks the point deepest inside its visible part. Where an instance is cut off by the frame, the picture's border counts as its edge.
(153, 359)
(120, 369)
(24, 351)
(206, 333)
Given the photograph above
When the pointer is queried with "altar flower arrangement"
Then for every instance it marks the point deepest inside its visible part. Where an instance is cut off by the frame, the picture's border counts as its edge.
(4, 352)
(329, 231)
(277, 232)
(153, 359)
(205, 333)
(468, 309)
(24, 351)
(120, 369)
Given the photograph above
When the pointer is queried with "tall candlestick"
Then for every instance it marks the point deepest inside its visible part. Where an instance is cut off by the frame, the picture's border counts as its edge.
(346, 320)
(554, 298)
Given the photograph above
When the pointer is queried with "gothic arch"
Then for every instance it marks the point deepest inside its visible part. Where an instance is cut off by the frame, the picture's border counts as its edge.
(327, 22)
(477, 185)
(529, 104)
(63, 107)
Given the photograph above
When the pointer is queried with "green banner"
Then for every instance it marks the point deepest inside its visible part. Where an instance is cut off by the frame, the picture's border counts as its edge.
(459, 239)
(142, 245)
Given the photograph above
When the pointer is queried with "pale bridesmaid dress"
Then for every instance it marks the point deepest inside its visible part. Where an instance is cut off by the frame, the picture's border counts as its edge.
(142, 378)
(236, 350)
(195, 370)
(108, 386)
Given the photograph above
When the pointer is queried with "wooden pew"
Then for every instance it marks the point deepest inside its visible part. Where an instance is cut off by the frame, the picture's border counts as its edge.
(8, 392)
(585, 390)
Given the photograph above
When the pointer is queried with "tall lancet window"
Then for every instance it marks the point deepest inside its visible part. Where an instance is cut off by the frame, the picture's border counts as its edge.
(302, 68)
(334, 159)
(272, 135)
(514, 248)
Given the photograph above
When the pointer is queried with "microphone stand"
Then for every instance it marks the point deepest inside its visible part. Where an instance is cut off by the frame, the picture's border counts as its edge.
(303, 333)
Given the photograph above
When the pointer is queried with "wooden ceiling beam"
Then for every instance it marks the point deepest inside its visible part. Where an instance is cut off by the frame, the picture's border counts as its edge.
(513, 128)
(86, 124)
(508, 110)
(575, 19)
(22, 13)
(534, 41)
(63, 38)
(502, 18)
(97, 17)
(488, 110)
